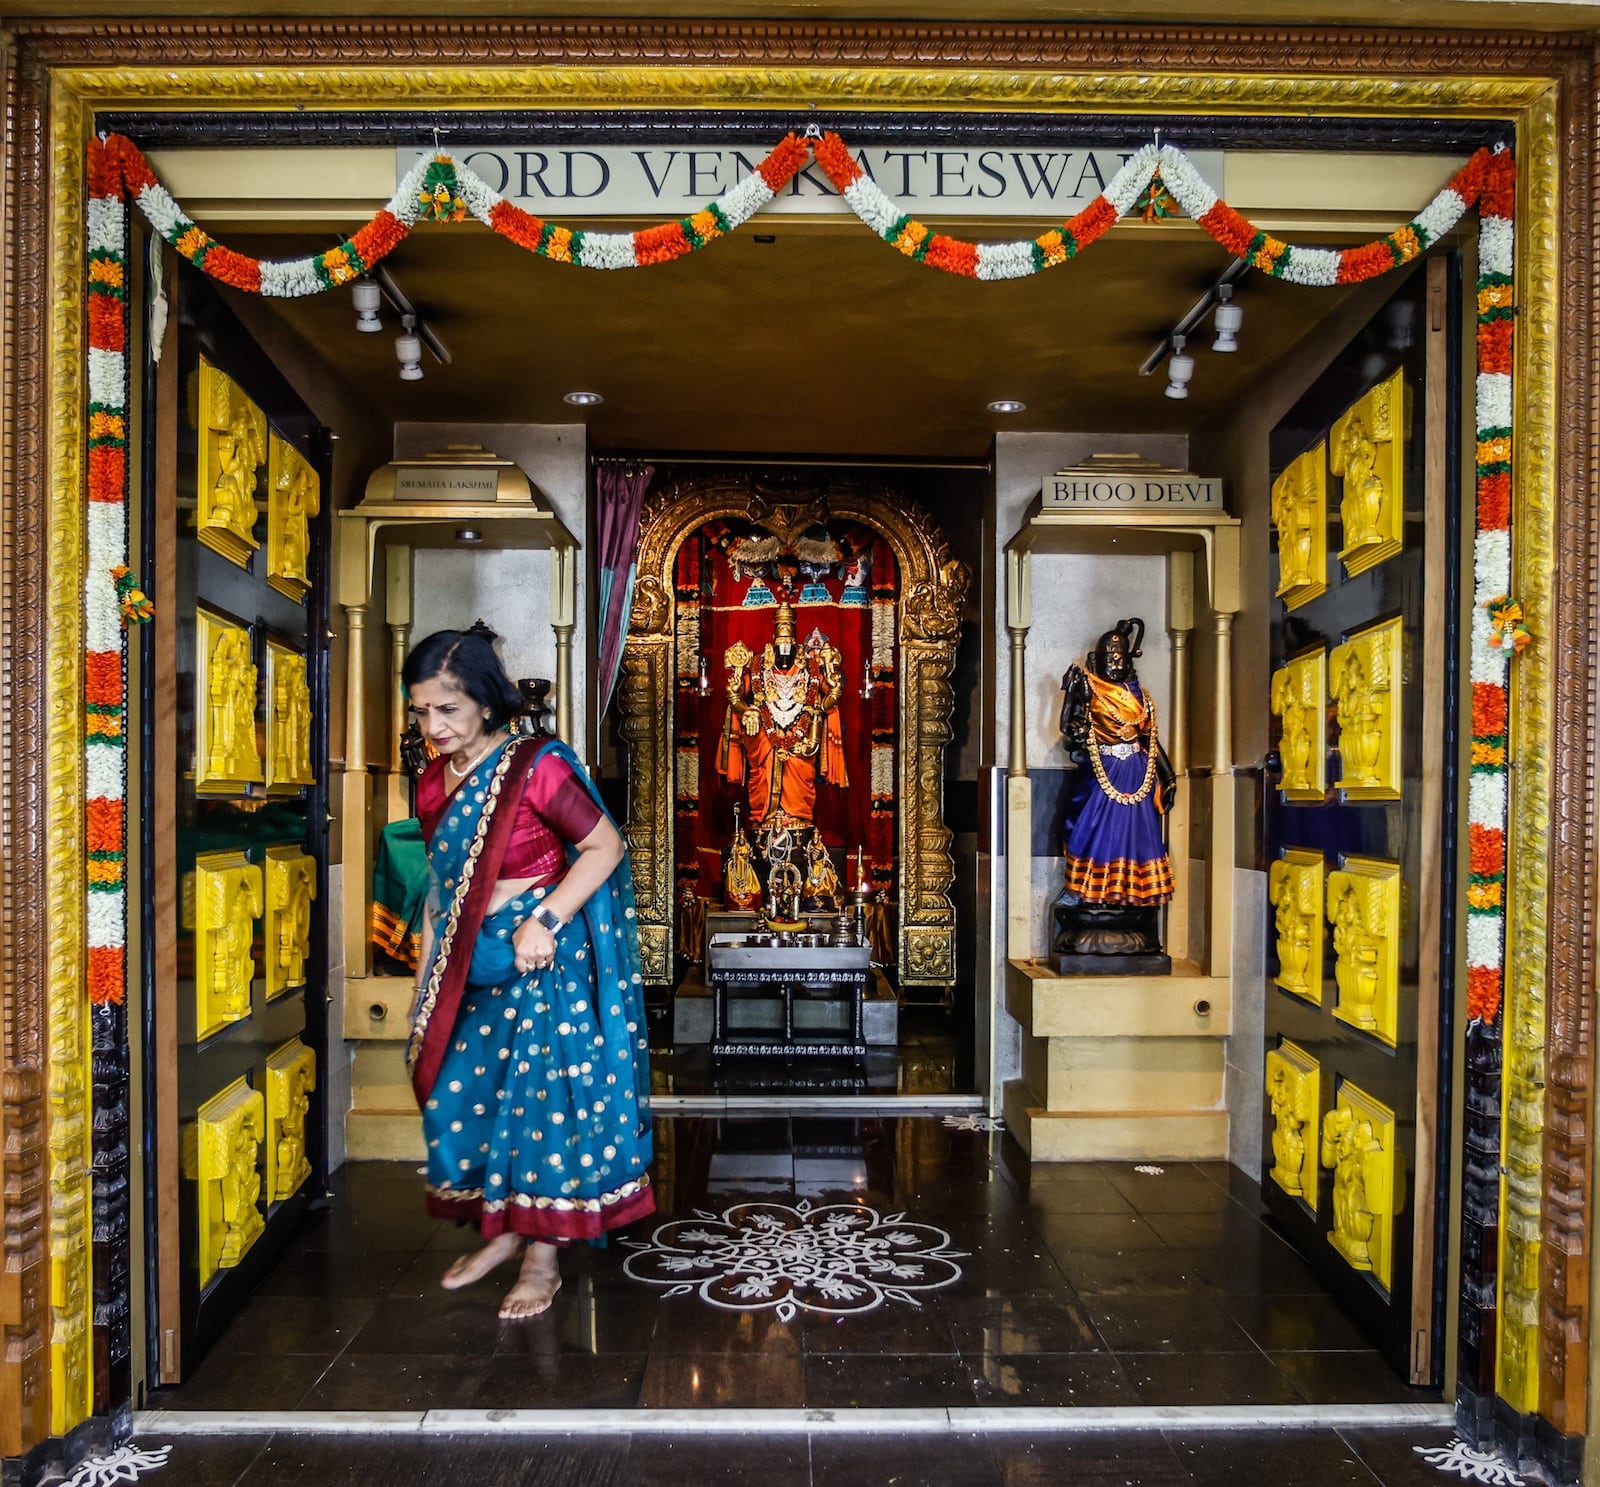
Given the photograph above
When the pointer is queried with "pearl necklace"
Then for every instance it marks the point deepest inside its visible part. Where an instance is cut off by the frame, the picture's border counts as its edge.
(461, 774)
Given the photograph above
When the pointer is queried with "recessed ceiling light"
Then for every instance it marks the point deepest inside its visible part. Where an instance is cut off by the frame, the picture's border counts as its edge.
(583, 399)
(1007, 405)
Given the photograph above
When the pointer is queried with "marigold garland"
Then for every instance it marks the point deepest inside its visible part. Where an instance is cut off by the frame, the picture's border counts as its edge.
(1157, 181)
(436, 189)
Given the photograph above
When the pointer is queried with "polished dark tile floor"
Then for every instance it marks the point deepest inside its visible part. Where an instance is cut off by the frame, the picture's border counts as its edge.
(1086, 1285)
(1285, 1458)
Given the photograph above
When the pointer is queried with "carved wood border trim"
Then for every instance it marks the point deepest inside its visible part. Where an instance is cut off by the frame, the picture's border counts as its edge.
(24, 1326)
(1566, 1220)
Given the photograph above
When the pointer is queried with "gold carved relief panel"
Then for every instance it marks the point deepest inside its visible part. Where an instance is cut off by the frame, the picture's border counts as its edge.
(1299, 698)
(294, 497)
(288, 697)
(291, 1077)
(1294, 1095)
(1368, 453)
(226, 895)
(1365, 676)
(224, 1154)
(227, 749)
(1364, 910)
(1295, 886)
(233, 448)
(291, 889)
(1300, 513)
(1358, 1144)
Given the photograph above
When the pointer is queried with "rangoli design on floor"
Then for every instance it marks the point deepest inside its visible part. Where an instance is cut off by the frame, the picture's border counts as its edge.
(974, 1123)
(834, 1260)
(1470, 1463)
(126, 1464)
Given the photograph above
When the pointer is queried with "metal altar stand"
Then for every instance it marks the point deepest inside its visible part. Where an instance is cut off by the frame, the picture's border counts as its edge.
(741, 968)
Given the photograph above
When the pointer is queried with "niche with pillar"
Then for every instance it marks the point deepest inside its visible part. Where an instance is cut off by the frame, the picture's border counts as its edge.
(1124, 1065)
(435, 543)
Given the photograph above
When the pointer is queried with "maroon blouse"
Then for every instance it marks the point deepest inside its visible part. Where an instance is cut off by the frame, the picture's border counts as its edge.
(556, 811)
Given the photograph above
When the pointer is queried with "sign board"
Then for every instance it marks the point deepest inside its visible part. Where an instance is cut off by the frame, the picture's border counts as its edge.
(443, 483)
(576, 180)
(1131, 491)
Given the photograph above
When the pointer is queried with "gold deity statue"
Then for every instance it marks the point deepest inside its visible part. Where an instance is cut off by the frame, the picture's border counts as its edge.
(782, 732)
(741, 888)
(294, 497)
(233, 447)
(821, 892)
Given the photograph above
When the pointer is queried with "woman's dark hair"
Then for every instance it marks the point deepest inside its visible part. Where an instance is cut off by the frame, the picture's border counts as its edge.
(467, 656)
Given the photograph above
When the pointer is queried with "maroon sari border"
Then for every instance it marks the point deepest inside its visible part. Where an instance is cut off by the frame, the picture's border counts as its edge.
(551, 1224)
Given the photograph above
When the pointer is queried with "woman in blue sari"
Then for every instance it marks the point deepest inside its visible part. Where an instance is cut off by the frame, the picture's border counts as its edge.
(528, 1046)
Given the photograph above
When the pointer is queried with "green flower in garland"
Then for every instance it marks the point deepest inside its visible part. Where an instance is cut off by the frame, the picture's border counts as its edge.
(439, 196)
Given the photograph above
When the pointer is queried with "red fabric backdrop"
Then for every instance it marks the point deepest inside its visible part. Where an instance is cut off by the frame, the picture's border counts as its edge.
(729, 578)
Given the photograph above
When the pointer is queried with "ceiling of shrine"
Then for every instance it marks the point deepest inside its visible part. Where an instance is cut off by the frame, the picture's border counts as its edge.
(802, 339)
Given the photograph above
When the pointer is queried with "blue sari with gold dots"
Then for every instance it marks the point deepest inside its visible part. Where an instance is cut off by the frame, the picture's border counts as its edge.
(534, 1085)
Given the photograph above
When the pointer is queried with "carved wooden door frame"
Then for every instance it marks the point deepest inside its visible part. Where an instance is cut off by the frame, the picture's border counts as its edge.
(60, 77)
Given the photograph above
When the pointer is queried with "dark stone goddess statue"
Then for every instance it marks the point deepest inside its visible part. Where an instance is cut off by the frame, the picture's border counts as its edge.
(1118, 871)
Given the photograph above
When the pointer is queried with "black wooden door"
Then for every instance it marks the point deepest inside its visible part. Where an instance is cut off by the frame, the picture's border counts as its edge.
(1359, 823)
(235, 794)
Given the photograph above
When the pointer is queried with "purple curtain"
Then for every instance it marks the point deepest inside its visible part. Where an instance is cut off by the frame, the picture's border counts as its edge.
(619, 493)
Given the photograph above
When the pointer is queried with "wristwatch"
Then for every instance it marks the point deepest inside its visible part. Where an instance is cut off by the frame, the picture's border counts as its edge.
(551, 920)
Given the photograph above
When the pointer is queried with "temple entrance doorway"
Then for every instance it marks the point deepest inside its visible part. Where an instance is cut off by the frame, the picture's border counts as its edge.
(865, 551)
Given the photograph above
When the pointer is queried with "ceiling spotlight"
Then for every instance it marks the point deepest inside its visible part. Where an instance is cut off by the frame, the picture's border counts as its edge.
(1228, 319)
(1007, 405)
(1180, 368)
(468, 534)
(367, 297)
(583, 399)
(408, 350)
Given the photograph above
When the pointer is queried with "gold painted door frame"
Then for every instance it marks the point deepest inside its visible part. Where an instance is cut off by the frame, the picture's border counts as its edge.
(57, 75)
(933, 588)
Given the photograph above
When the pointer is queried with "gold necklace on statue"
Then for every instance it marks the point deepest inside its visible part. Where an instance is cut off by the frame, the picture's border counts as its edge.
(1124, 797)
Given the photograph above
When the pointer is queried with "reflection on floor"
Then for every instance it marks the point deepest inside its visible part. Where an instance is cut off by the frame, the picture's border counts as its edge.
(930, 1060)
(988, 1284)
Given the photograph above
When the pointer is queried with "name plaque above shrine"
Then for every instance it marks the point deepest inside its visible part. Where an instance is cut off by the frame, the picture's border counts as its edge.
(588, 180)
(419, 483)
(1130, 489)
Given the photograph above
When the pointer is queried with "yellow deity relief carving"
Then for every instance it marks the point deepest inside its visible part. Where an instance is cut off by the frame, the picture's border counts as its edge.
(288, 721)
(1294, 884)
(1522, 1246)
(233, 448)
(1299, 697)
(1364, 909)
(224, 1159)
(1300, 513)
(1294, 1095)
(1368, 450)
(226, 747)
(1365, 677)
(294, 496)
(291, 890)
(71, 1343)
(291, 1077)
(227, 898)
(1358, 1144)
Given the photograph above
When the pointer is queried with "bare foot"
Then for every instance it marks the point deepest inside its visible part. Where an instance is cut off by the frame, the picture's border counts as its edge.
(479, 1263)
(536, 1285)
